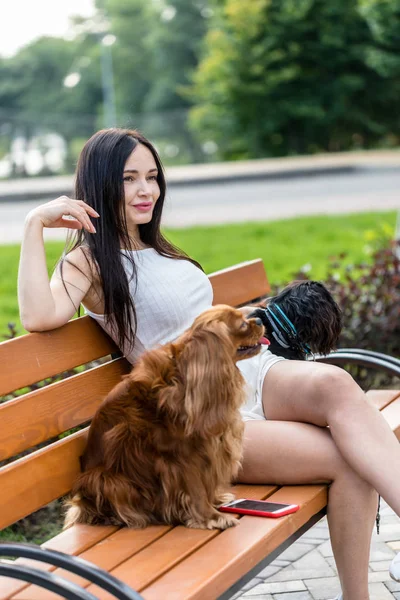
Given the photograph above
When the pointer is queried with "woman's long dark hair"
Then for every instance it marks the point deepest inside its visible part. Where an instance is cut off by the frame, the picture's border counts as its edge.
(99, 182)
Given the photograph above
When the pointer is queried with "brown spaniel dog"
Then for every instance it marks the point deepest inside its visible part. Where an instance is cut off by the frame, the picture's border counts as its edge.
(166, 443)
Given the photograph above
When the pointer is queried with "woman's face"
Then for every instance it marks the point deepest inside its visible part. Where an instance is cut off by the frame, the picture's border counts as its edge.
(141, 187)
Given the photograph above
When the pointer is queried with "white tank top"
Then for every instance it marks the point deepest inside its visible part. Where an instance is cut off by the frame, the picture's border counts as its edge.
(168, 296)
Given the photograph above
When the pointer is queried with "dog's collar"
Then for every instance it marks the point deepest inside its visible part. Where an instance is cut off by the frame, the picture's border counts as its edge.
(276, 334)
(286, 327)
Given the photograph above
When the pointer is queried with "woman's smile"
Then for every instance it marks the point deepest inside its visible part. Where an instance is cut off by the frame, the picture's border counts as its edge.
(143, 206)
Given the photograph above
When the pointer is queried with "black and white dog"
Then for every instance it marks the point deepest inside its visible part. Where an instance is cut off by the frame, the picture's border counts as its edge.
(302, 320)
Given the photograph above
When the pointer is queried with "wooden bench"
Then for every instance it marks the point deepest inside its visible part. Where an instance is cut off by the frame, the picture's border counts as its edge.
(167, 562)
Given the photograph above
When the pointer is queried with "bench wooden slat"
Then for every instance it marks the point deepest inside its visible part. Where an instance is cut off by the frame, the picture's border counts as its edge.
(74, 540)
(237, 550)
(382, 398)
(47, 412)
(33, 481)
(120, 546)
(143, 568)
(31, 358)
(392, 416)
(240, 284)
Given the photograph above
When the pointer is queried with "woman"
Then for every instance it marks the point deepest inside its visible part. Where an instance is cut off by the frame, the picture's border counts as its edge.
(144, 291)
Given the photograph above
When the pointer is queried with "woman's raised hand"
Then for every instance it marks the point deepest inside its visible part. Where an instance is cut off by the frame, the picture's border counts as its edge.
(65, 212)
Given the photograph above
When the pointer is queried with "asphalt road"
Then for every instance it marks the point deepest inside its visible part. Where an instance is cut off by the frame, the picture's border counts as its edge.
(253, 200)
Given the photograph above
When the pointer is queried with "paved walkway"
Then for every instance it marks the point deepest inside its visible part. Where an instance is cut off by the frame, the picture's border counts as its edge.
(306, 570)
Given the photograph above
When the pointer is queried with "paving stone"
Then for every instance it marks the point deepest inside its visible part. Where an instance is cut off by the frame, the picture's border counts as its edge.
(331, 562)
(379, 576)
(395, 545)
(380, 551)
(263, 597)
(386, 510)
(381, 565)
(378, 591)
(280, 563)
(316, 534)
(296, 551)
(390, 533)
(389, 519)
(312, 560)
(323, 589)
(294, 596)
(315, 541)
(393, 586)
(250, 584)
(326, 548)
(276, 588)
(290, 574)
(269, 571)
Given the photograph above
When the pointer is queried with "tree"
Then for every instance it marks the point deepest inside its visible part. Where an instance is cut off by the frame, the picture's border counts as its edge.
(34, 99)
(131, 22)
(289, 76)
(155, 52)
(383, 18)
(176, 39)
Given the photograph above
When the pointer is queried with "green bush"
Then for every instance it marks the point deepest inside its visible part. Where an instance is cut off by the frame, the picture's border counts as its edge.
(369, 296)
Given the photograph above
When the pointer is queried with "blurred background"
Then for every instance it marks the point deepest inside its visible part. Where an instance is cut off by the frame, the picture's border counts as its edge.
(206, 80)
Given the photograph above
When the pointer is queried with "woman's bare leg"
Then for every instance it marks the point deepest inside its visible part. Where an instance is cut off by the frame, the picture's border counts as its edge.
(285, 453)
(326, 395)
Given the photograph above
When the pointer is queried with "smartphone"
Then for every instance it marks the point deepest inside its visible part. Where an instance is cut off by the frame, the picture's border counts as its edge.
(259, 508)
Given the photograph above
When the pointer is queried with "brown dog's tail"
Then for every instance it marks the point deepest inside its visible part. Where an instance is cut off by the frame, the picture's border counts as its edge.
(102, 497)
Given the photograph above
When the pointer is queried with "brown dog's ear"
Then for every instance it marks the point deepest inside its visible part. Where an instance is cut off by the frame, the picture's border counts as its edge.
(210, 379)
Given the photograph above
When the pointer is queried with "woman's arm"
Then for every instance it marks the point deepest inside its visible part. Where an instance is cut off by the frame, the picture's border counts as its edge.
(44, 305)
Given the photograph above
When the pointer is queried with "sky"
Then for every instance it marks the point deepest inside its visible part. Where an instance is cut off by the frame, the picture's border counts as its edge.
(22, 21)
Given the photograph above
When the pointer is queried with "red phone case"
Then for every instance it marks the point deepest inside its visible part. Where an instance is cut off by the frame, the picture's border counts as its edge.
(259, 513)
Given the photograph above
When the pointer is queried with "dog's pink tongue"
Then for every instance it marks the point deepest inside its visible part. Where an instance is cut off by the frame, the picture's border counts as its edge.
(265, 341)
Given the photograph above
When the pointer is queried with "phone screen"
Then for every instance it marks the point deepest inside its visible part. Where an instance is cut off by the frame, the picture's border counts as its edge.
(255, 505)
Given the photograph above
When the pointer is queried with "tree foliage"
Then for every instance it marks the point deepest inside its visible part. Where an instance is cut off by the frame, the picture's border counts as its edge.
(293, 76)
(34, 99)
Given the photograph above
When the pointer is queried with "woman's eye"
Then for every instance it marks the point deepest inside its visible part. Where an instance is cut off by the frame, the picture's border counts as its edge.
(128, 178)
(153, 178)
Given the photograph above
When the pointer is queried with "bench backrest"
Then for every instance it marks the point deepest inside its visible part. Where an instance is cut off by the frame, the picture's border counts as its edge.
(29, 482)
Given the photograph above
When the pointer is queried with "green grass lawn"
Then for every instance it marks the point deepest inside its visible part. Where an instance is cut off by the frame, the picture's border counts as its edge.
(285, 246)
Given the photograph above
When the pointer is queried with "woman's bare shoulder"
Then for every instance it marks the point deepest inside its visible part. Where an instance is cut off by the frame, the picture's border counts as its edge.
(82, 259)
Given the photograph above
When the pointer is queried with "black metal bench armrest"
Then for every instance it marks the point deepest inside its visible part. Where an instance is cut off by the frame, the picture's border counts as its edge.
(364, 358)
(48, 581)
(74, 564)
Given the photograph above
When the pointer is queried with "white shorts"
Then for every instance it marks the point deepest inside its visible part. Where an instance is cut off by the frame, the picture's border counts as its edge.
(254, 371)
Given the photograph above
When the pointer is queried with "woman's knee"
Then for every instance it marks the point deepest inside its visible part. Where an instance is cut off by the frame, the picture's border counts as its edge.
(337, 391)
